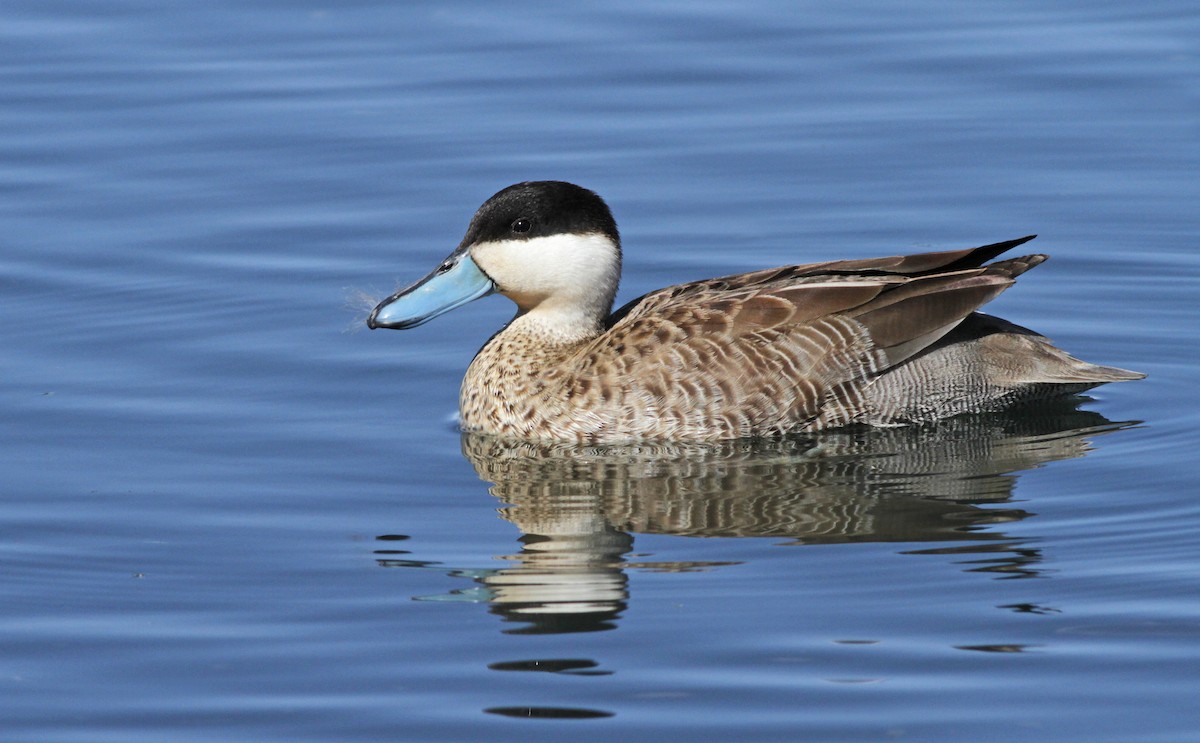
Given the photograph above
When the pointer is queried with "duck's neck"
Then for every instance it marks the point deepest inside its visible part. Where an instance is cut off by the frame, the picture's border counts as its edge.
(555, 326)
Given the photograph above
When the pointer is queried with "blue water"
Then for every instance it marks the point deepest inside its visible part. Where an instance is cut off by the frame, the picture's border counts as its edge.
(228, 514)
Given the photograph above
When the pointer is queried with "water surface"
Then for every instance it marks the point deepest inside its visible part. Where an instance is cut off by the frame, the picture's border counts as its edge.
(229, 514)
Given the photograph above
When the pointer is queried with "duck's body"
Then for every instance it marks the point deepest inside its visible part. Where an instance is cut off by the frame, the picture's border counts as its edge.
(800, 348)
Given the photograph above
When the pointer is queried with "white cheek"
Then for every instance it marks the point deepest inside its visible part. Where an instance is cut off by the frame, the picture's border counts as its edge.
(570, 267)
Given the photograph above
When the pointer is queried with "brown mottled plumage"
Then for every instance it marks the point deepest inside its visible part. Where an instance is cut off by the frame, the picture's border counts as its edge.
(800, 348)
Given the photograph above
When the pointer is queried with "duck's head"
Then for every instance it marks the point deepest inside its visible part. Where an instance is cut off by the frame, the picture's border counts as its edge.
(549, 246)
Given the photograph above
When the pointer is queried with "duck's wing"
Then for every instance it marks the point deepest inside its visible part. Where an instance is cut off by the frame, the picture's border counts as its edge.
(905, 302)
(916, 264)
(897, 266)
(790, 340)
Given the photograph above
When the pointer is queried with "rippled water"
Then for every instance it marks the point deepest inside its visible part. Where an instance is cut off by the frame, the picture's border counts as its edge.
(227, 514)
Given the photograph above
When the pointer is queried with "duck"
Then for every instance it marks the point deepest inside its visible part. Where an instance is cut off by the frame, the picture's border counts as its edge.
(888, 341)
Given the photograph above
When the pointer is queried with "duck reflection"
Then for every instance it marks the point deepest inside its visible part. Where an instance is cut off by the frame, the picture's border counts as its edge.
(579, 506)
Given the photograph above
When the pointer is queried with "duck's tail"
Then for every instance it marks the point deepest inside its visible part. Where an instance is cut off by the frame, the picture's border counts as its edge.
(1029, 358)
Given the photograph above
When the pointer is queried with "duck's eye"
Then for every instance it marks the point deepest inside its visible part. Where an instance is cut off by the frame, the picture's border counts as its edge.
(521, 225)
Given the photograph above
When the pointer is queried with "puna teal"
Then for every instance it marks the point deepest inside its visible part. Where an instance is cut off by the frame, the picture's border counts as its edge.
(881, 341)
